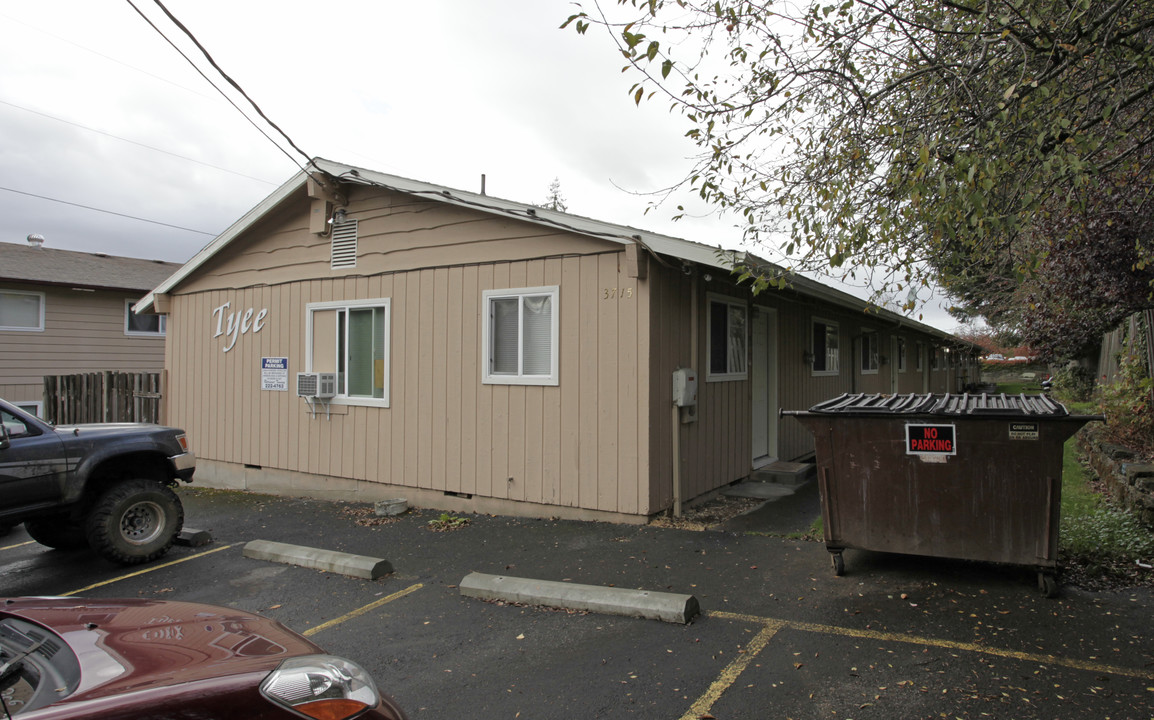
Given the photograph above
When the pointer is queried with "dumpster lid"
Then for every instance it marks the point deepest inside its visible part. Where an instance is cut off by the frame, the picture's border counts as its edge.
(981, 404)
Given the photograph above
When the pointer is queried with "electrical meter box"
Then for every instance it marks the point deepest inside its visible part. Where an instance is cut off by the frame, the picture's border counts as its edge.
(684, 387)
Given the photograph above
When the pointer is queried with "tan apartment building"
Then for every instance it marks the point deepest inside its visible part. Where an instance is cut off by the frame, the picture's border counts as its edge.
(477, 354)
(64, 312)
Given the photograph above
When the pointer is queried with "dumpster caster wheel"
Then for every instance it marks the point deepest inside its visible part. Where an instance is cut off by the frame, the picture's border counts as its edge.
(1048, 584)
(838, 564)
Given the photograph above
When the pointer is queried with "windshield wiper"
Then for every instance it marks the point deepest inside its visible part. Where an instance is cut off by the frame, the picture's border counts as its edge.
(5, 668)
(10, 673)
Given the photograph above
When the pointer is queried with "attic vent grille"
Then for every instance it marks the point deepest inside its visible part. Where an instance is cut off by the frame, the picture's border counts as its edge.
(345, 244)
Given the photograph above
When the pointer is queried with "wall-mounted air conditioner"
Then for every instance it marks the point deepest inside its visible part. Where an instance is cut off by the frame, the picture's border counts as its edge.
(316, 385)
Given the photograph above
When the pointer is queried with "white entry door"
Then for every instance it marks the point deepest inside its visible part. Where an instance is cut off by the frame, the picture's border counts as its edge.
(894, 366)
(763, 382)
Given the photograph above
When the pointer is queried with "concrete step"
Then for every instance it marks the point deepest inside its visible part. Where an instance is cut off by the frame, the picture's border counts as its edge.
(789, 474)
(762, 490)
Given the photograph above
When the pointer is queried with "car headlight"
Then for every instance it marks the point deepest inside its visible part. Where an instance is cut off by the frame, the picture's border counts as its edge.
(321, 686)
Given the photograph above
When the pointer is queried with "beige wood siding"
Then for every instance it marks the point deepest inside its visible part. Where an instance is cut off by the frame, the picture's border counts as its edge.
(83, 332)
(600, 440)
(715, 450)
(578, 444)
(671, 348)
(800, 389)
(395, 232)
(22, 393)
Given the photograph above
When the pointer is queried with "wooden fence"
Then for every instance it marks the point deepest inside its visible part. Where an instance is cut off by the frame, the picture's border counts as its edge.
(1121, 341)
(102, 397)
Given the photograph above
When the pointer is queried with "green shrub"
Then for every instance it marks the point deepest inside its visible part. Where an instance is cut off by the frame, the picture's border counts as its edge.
(1106, 535)
(1074, 383)
(1126, 403)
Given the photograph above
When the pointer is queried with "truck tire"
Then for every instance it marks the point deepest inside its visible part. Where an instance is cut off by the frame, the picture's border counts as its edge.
(59, 533)
(134, 521)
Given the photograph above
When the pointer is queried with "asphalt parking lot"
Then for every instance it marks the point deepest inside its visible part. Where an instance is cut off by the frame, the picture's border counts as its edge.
(779, 635)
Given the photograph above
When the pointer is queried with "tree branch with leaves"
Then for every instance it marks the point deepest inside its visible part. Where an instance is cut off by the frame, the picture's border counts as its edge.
(928, 138)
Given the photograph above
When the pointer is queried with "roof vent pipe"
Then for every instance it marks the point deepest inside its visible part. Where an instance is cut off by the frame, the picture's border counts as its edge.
(482, 183)
(36, 240)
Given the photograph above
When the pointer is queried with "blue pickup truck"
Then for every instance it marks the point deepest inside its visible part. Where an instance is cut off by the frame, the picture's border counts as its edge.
(107, 486)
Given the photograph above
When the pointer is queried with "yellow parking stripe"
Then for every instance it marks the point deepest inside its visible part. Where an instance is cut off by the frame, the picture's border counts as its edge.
(935, 642)
(730, 674)
(9, 547)
(147, 570)
(361, 611)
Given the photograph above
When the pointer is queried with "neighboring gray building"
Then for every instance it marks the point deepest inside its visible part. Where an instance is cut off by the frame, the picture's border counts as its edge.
(65, 312)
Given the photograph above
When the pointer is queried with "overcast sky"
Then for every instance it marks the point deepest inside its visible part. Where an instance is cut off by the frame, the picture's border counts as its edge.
(97, 109)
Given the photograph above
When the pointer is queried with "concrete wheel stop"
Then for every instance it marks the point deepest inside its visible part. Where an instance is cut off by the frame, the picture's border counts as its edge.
(667, 607)
(192, 537)
(358, 566)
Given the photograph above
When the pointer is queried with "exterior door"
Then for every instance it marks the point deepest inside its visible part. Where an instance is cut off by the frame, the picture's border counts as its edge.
(924, 354)
(894, 366)
(763, 383)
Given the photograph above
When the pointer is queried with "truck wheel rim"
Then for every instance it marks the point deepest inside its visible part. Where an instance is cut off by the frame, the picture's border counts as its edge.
(142, 523)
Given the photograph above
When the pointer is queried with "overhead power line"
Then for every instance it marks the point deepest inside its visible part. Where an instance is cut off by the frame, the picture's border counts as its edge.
(226, 76)
(214, 85)
(107, 212)
(109, 58)
(133, 142)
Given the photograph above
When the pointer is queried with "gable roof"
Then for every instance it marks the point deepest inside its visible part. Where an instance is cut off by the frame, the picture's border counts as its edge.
(30, 264)
(685, 250)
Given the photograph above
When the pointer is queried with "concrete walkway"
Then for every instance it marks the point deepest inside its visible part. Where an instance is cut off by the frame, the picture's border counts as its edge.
(785, 514)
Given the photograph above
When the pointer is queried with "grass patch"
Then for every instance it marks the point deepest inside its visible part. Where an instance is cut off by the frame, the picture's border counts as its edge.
(814, 533)
(446, 522)
(1078, 498)
(1082, 408)
(1099, 545)
(1018, 388)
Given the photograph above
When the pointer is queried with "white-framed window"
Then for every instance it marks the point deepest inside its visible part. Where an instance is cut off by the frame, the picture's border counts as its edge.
(150, 325)
(869, 352)
(728, 332)
(901, 358)
(32, 407)
(826, 347)
(520, 336)
(351, 338)
(21, 310)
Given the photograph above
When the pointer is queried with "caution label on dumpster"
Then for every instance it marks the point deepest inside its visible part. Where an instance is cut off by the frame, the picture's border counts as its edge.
(1023, 431)
(930, 440)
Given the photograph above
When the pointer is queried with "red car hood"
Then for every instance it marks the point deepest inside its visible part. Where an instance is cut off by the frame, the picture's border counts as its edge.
(127, 645)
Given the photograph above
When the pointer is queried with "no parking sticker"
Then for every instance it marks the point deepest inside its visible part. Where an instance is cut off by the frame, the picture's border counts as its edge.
(930, 440)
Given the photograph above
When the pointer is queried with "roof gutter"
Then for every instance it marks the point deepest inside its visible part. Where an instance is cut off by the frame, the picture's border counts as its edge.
(716, 257)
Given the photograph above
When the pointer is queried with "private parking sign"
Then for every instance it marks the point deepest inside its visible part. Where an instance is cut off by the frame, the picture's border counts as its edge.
(274, 373)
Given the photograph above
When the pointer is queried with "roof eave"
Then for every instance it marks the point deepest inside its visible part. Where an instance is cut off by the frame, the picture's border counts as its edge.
(684, 250)
(220, 241)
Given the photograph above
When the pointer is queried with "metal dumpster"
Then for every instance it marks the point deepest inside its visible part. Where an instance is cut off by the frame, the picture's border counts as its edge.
(975, 477)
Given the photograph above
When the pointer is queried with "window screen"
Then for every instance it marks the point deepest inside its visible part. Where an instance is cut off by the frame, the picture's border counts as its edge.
(521, 336)
(21, 311)
(727, 339)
